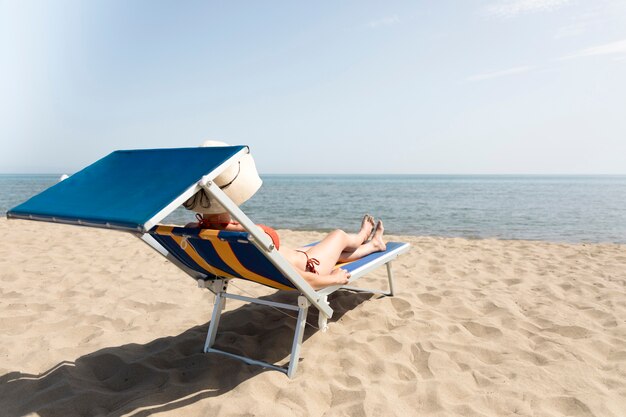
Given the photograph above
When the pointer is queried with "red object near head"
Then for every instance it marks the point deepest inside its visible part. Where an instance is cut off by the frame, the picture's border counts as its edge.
(271, 233)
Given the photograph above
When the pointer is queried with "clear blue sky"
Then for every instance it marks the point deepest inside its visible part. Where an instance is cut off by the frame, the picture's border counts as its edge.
(493, 86)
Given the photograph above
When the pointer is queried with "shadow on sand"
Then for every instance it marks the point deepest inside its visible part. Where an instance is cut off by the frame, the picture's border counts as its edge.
(167, 373)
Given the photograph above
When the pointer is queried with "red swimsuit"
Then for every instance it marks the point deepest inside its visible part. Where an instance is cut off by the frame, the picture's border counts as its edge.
(310, 262)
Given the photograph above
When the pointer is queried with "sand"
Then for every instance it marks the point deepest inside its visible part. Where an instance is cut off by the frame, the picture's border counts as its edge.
(93, 322)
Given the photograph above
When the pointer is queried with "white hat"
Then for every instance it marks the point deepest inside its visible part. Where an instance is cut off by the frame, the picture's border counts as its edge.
(239, 182)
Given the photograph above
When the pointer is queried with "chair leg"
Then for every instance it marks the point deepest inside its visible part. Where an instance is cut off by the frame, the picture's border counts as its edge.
(303, 305)
(390, 277)
(220, 299)
(322, 321)
(218, 307)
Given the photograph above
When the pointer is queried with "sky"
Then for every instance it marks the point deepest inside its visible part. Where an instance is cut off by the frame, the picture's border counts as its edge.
(328, 87)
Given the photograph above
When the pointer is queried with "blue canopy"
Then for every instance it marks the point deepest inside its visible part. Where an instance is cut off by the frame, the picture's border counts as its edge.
(126, 189)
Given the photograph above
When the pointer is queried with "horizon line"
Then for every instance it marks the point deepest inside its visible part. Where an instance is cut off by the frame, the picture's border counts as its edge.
(387, 174)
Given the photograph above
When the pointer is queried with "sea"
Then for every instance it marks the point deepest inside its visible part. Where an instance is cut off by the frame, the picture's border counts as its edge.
(547, 208)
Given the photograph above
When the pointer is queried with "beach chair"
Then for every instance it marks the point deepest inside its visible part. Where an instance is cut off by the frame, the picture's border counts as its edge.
(134, 190)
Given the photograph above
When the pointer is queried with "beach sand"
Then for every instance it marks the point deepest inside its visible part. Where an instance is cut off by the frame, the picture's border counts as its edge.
(94, 322)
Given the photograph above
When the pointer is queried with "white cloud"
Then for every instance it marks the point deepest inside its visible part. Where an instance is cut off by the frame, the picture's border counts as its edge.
(592, 16)
(512, 8)
(385, 21)
(612, 48)
(571, 30)
(501, 73)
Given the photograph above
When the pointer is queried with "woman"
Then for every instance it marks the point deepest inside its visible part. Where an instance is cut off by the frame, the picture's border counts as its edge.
(316, 264)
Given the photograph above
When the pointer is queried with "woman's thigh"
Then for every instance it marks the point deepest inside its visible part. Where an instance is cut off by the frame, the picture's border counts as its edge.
(328, 251)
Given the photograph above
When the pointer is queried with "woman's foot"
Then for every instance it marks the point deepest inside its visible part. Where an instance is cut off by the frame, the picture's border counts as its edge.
(377, 239)
(367, 227)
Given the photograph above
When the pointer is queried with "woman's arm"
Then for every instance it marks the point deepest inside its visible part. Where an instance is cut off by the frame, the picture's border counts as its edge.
(234, 227)
(337, 277)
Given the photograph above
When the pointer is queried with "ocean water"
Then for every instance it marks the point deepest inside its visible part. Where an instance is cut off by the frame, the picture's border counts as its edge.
(550, 208)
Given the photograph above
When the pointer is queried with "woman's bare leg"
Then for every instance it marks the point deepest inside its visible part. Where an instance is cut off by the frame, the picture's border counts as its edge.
(357, 239)
(327, 252)
(377, 244)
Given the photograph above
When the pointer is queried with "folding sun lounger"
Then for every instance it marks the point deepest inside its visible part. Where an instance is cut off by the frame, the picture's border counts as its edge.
(134, 190)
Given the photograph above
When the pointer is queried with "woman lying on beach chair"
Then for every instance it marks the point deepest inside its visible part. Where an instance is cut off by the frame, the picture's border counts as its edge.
(316, 264)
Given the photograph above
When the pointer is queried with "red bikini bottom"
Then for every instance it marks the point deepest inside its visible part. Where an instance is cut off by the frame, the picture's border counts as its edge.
(310, 262)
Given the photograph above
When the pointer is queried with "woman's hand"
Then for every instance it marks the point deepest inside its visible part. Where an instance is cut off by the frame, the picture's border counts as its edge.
(340, 276)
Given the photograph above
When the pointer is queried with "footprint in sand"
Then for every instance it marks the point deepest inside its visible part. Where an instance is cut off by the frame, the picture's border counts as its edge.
(568, 406)
(490, 308)
(429, 299)
(387, 344)
(479, 330)
(402, 307)
(573, 332)
(420, 359)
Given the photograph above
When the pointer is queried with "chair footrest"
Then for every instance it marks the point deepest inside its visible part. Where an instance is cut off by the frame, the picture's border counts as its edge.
(247, 360)
(366, 290)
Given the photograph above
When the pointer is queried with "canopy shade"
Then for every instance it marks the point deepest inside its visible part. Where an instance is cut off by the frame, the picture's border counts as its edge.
(128, 189)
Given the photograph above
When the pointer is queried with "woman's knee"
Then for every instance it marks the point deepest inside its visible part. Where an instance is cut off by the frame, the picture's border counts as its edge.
(338, 233)
(338, 236)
